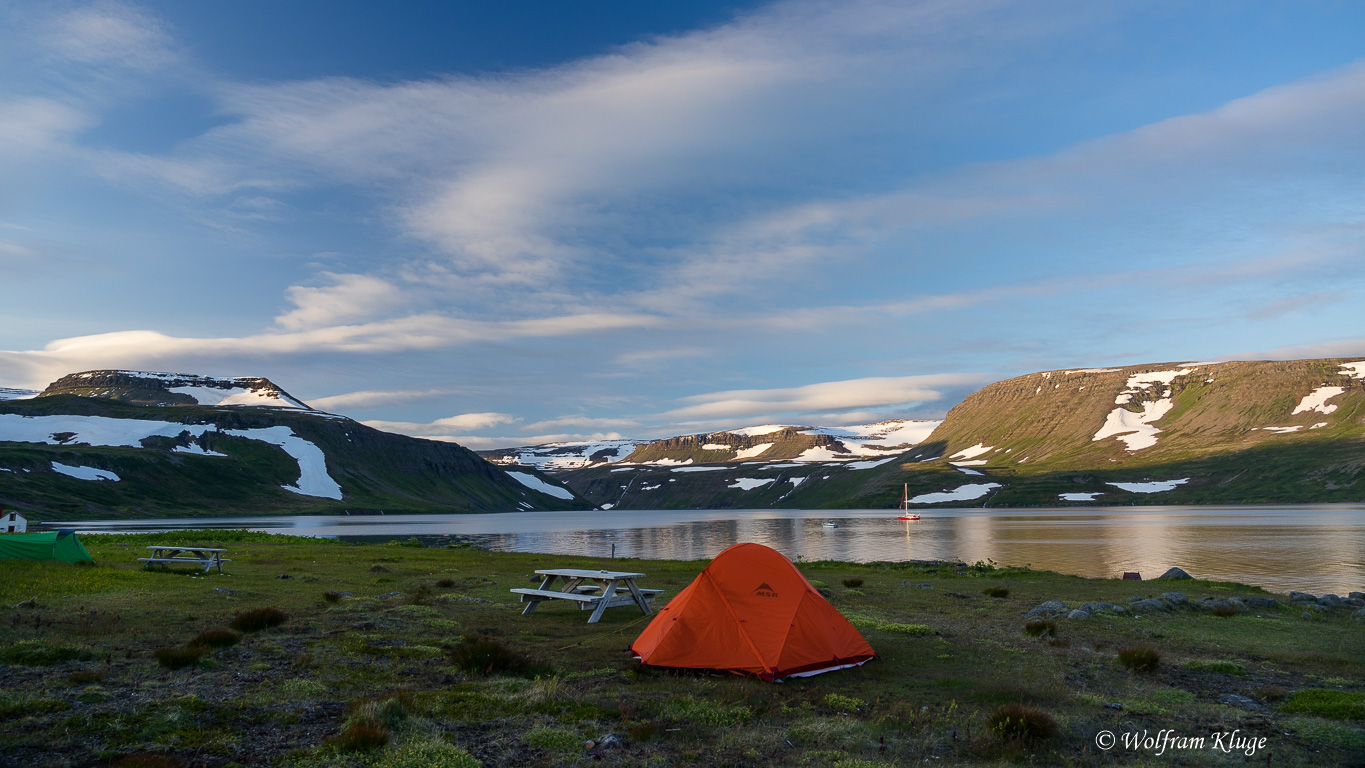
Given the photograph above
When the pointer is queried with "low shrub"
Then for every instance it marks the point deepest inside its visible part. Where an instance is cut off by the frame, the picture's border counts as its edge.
(427, 754)
(258, 619)
(360, 736)
(1001, 592)
(179, 657)
(1139, 659)
(555, 740)
(1019, 722)
(1225, 611)
(1269, 693)
(486, 656)
(392, 712)
(40, 653)
(332, 596)
(1326, 703)
(445, 583)
(216, 638)
(853, 583)
(841, 703)
(1041, 628)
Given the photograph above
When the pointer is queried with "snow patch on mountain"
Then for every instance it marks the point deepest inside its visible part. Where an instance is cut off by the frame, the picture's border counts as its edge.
(1135, 428)
(1317, 400)
(536, 484)
(1079, 496)
(960, 493)
(84, 473)
(1355, 370)
(206, 395)
(762, 429)
(973, 452)
(1155, 486)
(749, 483)
(754, 452)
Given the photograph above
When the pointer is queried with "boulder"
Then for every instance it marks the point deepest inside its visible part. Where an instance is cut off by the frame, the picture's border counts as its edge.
(1356, 595)
(1261, 602)
(1174, 598)
(1302, 597)
(1078, 614)
(1149, 605)
(1241, 702)
(1359, 615)
(1175, 573)
(1048, 608)
(1329, 601)
(1213, 605)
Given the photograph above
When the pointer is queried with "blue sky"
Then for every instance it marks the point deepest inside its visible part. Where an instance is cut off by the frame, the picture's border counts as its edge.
(507, 223)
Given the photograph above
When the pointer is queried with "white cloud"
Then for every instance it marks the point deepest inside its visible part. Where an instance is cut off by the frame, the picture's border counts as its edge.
(374, 398)
(347, 299)
(441, 428)
(110, 33)
(37, 125)
(833, 395)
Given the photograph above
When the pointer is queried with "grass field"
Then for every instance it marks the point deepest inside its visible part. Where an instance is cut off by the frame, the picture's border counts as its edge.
(397, 655)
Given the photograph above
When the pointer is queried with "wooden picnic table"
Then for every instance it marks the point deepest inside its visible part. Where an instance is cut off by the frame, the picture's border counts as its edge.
(592, 590)
(208, 557)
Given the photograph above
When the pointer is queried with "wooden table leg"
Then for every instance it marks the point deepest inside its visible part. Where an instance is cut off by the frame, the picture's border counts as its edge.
(639, 598)
(608, 592)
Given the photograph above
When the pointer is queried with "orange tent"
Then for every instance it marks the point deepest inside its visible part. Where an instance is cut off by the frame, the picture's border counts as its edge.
(751, 612)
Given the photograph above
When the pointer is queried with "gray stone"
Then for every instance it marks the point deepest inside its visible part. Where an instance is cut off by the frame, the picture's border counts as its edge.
(1213, 605)
(1261, 602)
(1329, 601)
(1241, 702)
(1238, 603)
(1174, 598)
(1134, 599)
(1354, 602)
(471, 600)
(1175, 573)
(1151, 604)
(1078, 614)
(387, 595)
(222, 591)
(1359, 615)
(1048, 608)
(1356, 595)
(1301, 597)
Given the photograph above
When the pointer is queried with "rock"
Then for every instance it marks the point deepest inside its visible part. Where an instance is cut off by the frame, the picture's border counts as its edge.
(222, 590)
(1150, 604)
(610, 741)
(908, 585)
(1134, 599)
(1261, 602)
(1354, 602)
(387, 595)
(1356, 595)
(284, 576)
(344, 594)
(1175, 573)
(471, 600)
(1359, 615)
(1238, 603)
(1240, 702)
(1078, 614)
(1174, 598)
(1329, 601)
(1213, 605)
(1048, 608)
(1302, 597)
(1114, 705)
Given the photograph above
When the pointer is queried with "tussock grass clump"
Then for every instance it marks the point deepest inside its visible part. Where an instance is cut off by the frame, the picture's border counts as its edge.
(141, 760)
(1327, 703)
(86, 676)
(486, 656)
(427, 754)
(258, 619)
(332, 596)
(1040, 628)
(1019, 722)
(445, 583)
(853, 583)
(179, 657)
(40, 653)
(841, 703)
(556, 740)
(1222, 667)
(392, 711)
(1270, 693)
(360, 736)
(216, 638)
(1139, 659)
(1000, 592)
(1224, 611)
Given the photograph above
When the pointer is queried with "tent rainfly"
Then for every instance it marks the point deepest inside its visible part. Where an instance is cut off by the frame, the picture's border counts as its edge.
(752, 613)
(50, 545)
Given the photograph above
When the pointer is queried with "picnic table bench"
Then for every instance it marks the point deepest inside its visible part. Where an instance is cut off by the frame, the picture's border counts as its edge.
(207, 557)
(592, 590)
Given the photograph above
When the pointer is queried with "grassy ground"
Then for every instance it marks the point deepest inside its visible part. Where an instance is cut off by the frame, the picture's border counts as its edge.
(385, 679)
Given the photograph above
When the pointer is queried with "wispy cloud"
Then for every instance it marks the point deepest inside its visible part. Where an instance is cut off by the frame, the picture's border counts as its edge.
(444, 427)
(825, 396)
(377, 398)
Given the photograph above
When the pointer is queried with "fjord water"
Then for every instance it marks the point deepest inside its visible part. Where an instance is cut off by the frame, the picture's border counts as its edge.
(1318, 548)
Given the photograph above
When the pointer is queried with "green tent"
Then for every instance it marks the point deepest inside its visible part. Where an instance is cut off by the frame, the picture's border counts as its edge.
(53, 545)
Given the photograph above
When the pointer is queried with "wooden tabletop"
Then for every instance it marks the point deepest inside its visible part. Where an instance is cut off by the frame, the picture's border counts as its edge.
(184, 548)
(580, 573)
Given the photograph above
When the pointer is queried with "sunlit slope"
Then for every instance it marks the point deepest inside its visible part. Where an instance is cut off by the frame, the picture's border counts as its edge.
(1221, 433)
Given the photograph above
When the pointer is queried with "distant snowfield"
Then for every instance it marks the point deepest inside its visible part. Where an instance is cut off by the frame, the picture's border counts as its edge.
(536, 484)
(699, 469)
(574, 455)
(1280, 430)
(754, 452)
(762, 429)
(236, 396)
(749, 483)
(961, 493)
(84, 473)
(1135, 429)
(1317, 400)
(973, 452)
(1156, 486)
(717, 447)
(1079, 496)
(105, 431)
(1355, 370)
(16, 394)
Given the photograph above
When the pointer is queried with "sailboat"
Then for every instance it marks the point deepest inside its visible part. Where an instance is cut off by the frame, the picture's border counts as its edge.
(905, 505)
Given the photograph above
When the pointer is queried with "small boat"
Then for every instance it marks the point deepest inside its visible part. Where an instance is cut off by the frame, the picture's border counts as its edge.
(905, 505)
(829, 524)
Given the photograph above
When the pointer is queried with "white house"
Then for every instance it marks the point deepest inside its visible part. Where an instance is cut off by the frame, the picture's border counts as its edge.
(12, 522)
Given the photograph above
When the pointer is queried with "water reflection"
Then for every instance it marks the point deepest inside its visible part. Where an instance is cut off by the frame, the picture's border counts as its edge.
(1313, 548)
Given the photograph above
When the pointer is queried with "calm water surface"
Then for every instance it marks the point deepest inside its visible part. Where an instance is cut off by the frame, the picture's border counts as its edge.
(1319, 548)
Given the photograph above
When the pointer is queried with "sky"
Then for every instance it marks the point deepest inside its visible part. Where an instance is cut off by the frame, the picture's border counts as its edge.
(522, 222)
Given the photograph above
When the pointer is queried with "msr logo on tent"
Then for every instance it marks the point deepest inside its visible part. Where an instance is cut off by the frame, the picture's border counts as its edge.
(763, 590)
